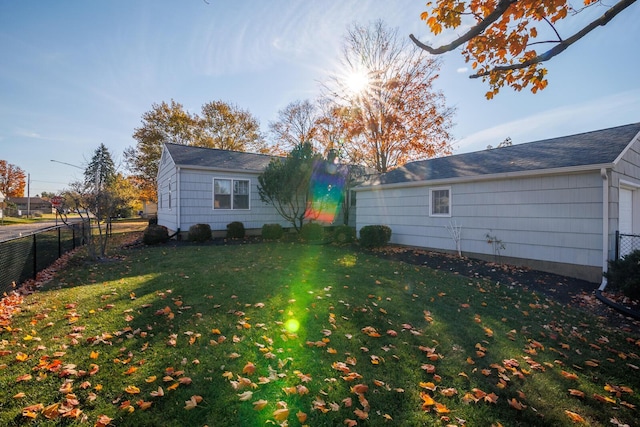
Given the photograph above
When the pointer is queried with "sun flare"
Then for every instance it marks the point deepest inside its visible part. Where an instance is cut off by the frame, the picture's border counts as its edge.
(357, 81)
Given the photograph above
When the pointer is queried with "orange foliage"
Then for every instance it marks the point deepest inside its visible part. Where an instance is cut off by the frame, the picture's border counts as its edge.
(12, 180)
(504, 37)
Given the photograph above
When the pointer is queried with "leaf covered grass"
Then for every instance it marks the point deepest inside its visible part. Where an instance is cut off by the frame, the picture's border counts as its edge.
(292, 334)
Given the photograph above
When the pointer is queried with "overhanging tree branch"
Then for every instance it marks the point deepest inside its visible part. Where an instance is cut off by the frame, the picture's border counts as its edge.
(564, 44)
(475, 31)
(501, 8)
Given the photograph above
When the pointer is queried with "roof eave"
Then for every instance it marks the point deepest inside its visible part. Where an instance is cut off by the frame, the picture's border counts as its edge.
(627, 148)
(489, 177)
(216, 169)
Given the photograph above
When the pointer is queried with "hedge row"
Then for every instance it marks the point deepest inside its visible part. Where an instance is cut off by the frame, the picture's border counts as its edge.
(370, 235)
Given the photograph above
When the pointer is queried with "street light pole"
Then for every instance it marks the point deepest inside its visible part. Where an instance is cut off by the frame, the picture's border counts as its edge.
(68, 164)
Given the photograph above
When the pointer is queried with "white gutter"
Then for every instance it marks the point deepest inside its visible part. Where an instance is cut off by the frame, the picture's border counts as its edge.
(217, 169)
(487, 177)
(605, 227)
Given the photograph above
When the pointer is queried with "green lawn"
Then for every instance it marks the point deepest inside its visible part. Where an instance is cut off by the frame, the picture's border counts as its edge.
(275, 333)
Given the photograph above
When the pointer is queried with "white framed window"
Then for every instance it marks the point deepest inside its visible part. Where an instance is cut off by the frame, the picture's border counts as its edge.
(240, 194)
(440, 201)
(231, 193)
(169, 196)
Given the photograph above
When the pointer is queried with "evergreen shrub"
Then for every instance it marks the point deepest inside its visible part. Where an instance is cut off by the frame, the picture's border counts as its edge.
(312, 232)
(624, 274)
(235, 230)
(344, 234)
(155, 234)
(272, 231)
(374, 235)
(199, 233)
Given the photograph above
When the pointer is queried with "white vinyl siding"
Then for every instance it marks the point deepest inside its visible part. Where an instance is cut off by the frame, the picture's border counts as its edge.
(625, 200)
(167, 214)
(554, 218)
(196, 202)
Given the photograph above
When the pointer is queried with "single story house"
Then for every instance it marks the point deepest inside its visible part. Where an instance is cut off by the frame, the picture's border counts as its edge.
(31, 205)
(198, 185)
(553, 205)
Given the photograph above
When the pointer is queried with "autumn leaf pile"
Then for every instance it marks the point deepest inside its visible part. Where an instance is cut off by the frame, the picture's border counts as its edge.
(290, 335)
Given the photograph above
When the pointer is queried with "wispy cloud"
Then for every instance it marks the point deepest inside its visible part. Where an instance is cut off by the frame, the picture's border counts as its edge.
(614, 110)
(29, 134)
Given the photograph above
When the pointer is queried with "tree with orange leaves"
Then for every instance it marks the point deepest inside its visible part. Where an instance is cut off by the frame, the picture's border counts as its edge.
(386, 102)
(12, 180)
(502, 36)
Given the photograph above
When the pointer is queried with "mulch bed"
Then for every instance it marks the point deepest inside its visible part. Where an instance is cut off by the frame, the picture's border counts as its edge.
(564, 290)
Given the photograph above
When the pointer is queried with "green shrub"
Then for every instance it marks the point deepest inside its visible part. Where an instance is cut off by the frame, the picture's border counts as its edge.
(624, 274)
(272, 231)
(374, 235)
(199, 233)
(235, 230)
(155, 234)
(312, 232)
(126, 212)
(344, 234)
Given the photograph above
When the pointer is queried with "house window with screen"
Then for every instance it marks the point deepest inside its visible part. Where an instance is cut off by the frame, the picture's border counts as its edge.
(240, 194)
(230, 193)
(440, 201)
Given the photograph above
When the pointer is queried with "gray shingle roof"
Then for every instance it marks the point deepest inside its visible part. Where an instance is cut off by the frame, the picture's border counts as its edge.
(590, 148)
(185, 155)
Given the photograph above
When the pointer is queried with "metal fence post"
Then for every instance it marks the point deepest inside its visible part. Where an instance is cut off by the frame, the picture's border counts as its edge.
(35, 256)
(59, 244)
(617, 244)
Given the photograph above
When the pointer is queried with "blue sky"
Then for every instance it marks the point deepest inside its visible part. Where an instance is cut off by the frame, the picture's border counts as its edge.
(74, 74)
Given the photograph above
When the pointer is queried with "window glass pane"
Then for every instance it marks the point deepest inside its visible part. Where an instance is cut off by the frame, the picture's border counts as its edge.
(240, 201)
(440, 202)
(222, 186)
(240, 187)
(222, 194)
(222, 201)
(241, 194)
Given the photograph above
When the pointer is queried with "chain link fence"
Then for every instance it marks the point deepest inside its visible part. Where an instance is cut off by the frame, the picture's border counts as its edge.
(626, 243)
(23, 257)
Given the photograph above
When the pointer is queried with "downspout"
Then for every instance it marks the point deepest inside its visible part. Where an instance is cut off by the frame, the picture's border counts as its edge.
(605, 227)
(178, 203)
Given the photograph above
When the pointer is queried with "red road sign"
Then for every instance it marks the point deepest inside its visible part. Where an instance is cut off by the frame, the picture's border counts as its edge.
(56, 201)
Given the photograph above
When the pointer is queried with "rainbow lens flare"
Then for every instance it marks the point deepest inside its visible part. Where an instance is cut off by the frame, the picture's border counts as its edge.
(327, 187)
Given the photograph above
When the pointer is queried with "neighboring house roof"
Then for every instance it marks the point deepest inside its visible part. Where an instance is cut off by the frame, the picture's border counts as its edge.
(601, 147)
(31, 200)
(212, 158)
